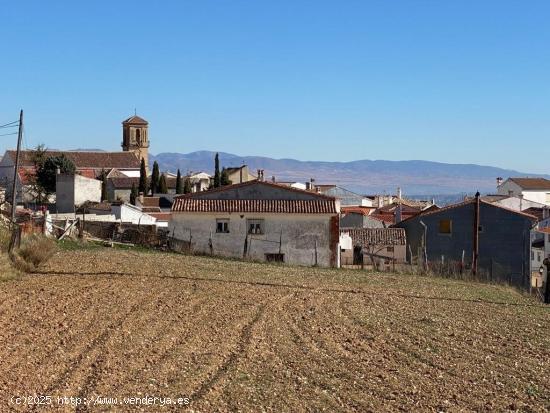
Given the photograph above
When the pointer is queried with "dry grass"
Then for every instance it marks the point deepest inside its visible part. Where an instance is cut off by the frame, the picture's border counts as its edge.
(34, 251)
(251, 337)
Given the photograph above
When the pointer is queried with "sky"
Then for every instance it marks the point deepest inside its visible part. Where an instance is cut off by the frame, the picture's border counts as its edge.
(463, 81)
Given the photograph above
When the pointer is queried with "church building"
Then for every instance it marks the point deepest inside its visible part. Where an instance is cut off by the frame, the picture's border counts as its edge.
(91, 164)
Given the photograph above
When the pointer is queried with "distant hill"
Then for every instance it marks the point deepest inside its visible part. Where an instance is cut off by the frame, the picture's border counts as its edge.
(364, 176)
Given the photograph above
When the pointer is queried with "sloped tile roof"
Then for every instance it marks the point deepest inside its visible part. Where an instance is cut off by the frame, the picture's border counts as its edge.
(124, 183)
(151, 201)
(135, 120)
(317, 206)
(85, 159)
(376, 236)
(532, 183)
(161, 216)
(357, 210)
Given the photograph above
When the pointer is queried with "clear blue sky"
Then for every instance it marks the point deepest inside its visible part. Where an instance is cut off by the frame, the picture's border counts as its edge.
(452, 81)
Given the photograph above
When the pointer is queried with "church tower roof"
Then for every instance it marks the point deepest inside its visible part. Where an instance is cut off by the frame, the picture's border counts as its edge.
(135, 120)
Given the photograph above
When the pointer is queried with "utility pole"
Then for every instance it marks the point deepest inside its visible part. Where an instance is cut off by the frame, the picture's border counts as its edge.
(475, 257)
(547, 284)
(16, 169)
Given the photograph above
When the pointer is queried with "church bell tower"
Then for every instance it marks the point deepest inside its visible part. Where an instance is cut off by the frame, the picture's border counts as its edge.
(135, 137)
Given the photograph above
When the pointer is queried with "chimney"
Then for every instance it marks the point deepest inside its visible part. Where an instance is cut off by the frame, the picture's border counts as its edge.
(141, 198)
(399, 194)
(380, 201)
(398, 214)
(520, 196)
(273, 179)
(545, 212)
(499, 181)
(308, 186)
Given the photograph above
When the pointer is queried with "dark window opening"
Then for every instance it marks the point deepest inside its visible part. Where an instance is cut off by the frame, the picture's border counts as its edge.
(275, 257)
(255, 226)
(222, 226)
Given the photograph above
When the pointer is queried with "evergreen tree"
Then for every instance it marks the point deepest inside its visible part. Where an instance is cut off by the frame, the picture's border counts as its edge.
(224, 179)
(187, 186)
(155, 178)
(103, 179)
(163, 188)
(217, 177)
(178, 183)
(46, 173)
(143, 178)
(133, 194)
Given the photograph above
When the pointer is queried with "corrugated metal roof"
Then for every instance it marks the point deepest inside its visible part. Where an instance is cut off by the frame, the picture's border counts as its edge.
(376, 236)
(318, 206)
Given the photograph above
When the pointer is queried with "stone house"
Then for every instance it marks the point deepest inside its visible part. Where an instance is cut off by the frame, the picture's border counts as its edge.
(379, 247)
(260, 221)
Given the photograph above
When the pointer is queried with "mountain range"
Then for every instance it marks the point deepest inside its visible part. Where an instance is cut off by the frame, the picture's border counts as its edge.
(364, 176)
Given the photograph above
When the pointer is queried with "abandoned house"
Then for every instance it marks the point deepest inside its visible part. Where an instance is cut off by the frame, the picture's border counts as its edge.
(475, 234)
(261, 221)
(379, 248)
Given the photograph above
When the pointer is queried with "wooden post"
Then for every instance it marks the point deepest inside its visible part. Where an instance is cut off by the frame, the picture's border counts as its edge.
(16, 170)
(476, 236)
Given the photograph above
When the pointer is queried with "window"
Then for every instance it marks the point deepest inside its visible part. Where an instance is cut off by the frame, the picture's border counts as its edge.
(389, 249)
(255, 226)
(222, 226)
(480, 228)
(275, 257)
(445, 226)
(532, 255)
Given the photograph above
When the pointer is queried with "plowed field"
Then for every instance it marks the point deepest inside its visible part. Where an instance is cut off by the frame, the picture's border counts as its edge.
(106, 325)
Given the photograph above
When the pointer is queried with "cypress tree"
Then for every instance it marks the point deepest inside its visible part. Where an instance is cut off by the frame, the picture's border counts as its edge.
(187, 186)
(103, 179)
(133, 194)
(143, 178)
(224, 179)
(217, 176)
(178, 183)
(163, 188)
(155, 178)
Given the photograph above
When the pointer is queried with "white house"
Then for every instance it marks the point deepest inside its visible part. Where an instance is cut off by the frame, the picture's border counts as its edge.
(531, 189)
(260, 221)
(73, 190)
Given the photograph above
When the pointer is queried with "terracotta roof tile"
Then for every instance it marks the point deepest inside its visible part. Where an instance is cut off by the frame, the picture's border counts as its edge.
(135, 120)
(376, 236)
(357, 210)
(321, 206)
(532, 183)
(85, 159)
(124, 183)
(161, 216)
(151, 201)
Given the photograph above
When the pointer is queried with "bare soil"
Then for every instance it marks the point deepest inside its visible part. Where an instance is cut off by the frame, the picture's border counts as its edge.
(234, 336)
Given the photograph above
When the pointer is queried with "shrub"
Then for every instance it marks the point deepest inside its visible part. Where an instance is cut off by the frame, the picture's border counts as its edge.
(5, 237)
(35, 250)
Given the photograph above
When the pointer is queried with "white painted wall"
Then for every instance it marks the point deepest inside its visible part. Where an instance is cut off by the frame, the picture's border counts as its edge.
(299, 233)
(510, 188)
(132, 214)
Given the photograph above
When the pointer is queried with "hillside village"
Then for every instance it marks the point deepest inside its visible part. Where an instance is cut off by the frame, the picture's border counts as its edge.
(236, 212)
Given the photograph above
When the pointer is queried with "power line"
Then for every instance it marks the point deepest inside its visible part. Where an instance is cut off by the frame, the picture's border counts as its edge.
(7, 125)
(6, 134)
